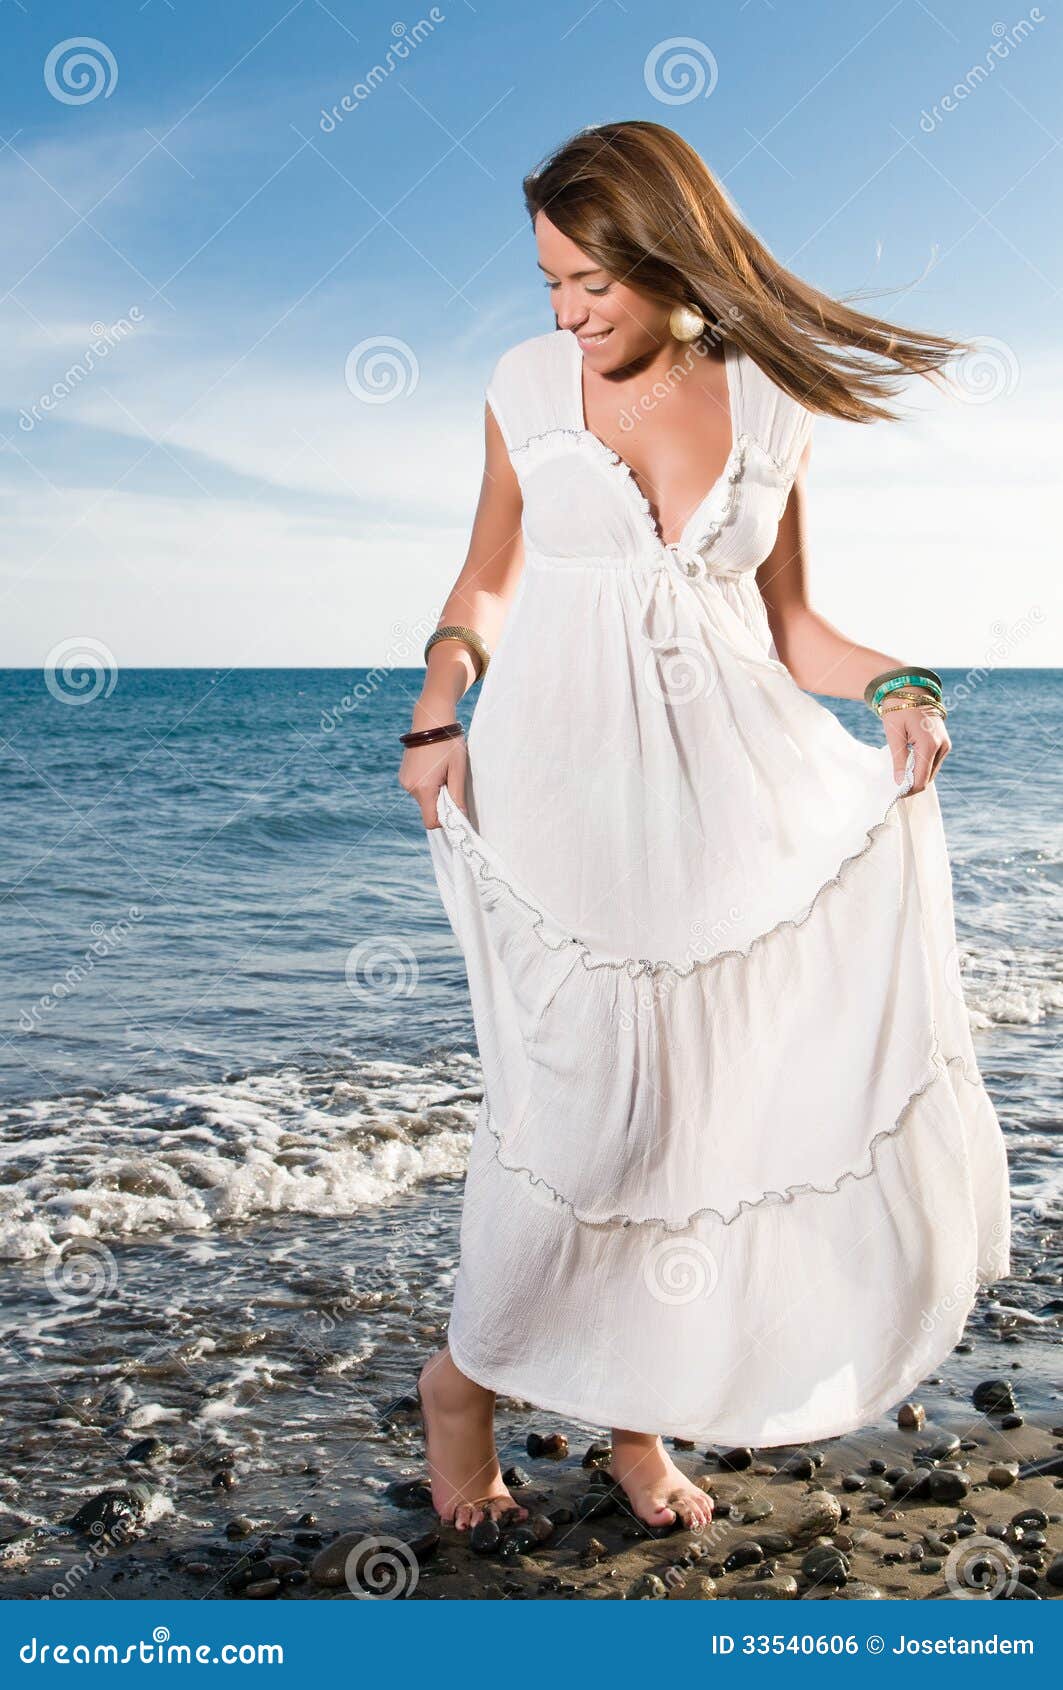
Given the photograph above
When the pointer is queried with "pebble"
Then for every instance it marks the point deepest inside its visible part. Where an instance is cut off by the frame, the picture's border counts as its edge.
(328, 1566)
(1011, 1422)
(594, 1550)
(824, 1563)
(911, 1417)
(942, 1448)
(1050, 1467)
(854, 1481)
(542, 1527)
(513, 1477)
(855, 1590)
(781, 1588)
(516, 1542)
(225, 1480)
(593, 1505)
(266, 1587)
(797, 1467)
(1003, 1474)
(754, 1511)
(1054, 1575)
(648, 1588)
(147, 1449)
(911, 1486)
(486, 1535)
(552, 1447)
(239, 1526)
(1029, 1517)
(735, 1460)
(820, 1513)
(994, 1396)
(598, 1455)
(744, 1554)
(945, 1485)
(105, 1510)
(775, 1543)
(699, 1587)
(409, 1493)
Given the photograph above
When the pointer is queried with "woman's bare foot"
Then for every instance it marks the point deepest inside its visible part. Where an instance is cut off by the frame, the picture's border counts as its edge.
(656, 1489)
(459, 1439)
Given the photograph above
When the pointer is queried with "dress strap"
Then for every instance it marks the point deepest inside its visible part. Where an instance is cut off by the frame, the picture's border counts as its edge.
(528, 389)
(777, 421)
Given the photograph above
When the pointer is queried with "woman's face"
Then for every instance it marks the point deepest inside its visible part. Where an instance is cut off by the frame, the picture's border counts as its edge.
(612, 322)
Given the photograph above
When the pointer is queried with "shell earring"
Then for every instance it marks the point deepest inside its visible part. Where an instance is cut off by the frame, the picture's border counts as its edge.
(685, 322)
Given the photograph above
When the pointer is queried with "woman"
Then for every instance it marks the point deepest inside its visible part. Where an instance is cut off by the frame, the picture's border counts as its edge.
(735, 1176)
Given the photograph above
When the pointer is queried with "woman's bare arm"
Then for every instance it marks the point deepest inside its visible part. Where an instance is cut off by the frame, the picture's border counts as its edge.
(479, 599)
(820, 657)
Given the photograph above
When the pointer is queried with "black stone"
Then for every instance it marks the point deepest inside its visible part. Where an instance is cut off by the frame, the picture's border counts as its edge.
(735, 1460)
(409, 1493)
(994, 1396)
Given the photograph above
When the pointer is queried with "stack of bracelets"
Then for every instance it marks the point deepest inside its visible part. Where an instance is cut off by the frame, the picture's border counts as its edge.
(905, 689)
(468, 637)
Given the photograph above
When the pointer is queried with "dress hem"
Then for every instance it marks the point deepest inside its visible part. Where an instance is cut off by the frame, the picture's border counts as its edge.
(506, 1385)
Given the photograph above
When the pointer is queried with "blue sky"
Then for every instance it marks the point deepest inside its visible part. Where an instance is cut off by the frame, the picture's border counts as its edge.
(211, 491)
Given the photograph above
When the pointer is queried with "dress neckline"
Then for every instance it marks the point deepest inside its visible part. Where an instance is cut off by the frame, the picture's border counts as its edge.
(731, 356)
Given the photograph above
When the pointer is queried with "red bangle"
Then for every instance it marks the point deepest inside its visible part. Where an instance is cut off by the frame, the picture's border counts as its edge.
(429, 736)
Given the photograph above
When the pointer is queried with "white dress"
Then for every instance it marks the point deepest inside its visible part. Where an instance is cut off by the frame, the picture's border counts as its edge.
(735, 1176)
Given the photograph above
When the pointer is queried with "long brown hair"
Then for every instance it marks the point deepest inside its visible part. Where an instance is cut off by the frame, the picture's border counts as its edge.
(639, 200)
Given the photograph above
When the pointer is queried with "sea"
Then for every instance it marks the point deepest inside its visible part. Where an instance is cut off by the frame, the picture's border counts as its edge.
(238, 1076)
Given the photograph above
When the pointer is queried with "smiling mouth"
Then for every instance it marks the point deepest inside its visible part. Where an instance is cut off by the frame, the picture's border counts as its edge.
(594, 339)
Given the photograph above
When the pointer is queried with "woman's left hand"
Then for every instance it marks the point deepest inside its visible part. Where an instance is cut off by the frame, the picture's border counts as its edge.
(926, 730)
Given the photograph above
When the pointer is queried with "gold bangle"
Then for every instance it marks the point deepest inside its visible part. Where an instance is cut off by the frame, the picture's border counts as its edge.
(468, 637)
(923, 704)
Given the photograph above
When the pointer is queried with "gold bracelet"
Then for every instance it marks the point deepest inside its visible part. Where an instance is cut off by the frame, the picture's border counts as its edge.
(468, 637)
(922, 704)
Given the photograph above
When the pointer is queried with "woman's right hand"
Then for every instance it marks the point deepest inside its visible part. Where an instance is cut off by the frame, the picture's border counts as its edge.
(426, 769)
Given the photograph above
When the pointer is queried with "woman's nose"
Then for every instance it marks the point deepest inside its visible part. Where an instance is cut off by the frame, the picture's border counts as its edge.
(570, 314)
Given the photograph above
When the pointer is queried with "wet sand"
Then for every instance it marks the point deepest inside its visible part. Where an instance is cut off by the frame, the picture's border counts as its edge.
(243, 1446)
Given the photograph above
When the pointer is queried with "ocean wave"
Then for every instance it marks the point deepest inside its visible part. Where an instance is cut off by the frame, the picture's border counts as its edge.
(1009, 986)
(198, 1157)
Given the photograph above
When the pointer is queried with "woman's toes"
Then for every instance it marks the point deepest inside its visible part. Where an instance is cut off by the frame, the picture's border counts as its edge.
(461, 1516)
(663, 1515)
